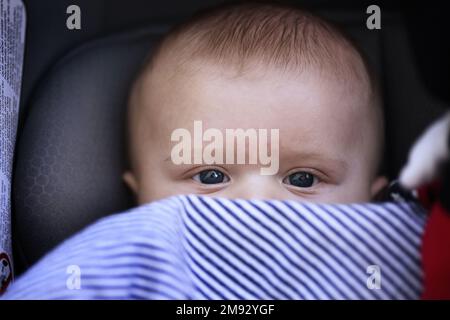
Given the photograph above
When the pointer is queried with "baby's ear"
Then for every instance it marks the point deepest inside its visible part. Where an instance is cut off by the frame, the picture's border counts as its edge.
(131, 181)
(378, 184)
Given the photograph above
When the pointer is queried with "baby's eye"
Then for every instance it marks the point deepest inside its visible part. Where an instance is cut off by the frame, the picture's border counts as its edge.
(211, 176)
(301, 179)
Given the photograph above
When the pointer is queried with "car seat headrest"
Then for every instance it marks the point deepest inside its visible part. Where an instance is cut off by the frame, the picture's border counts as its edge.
(71, 152)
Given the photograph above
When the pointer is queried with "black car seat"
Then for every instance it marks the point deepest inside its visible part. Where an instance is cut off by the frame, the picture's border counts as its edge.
(71, 153)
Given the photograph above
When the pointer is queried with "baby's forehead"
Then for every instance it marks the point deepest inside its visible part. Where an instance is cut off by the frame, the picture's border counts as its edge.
(255, 98)
(209, 79)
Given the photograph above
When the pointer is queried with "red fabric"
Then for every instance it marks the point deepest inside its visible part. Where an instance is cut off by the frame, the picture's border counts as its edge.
(435, 246)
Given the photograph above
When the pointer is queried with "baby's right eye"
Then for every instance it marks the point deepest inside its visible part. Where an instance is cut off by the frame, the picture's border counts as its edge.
(211, 176)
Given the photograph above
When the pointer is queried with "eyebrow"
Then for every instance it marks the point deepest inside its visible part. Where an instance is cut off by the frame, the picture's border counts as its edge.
(329, 162)
(315, 156)
(307, 156)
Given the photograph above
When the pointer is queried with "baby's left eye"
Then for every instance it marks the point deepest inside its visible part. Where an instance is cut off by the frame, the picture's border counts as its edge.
(211, 176)
(301, 179)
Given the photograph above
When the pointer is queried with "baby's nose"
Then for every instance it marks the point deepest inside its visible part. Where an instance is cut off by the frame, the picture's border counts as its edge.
(255, 186)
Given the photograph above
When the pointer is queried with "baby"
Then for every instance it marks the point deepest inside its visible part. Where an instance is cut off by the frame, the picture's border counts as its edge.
(259, 66)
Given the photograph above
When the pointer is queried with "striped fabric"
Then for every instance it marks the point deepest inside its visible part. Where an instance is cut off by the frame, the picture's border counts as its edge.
(194, 247)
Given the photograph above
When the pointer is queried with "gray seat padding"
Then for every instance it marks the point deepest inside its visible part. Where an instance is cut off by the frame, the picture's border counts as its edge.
(71, 153)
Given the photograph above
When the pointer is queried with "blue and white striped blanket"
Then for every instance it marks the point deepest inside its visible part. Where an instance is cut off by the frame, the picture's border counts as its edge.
(194, 247)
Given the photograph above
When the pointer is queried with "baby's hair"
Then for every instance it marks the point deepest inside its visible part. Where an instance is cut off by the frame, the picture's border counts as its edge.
(268, 34)
(274, 34)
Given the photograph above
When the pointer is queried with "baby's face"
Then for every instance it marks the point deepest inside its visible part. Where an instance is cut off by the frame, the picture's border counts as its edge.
(326, 135)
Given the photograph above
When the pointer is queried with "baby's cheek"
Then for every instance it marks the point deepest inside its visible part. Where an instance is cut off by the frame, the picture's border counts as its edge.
(350, 192)
(162, 187)
(152, 190)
